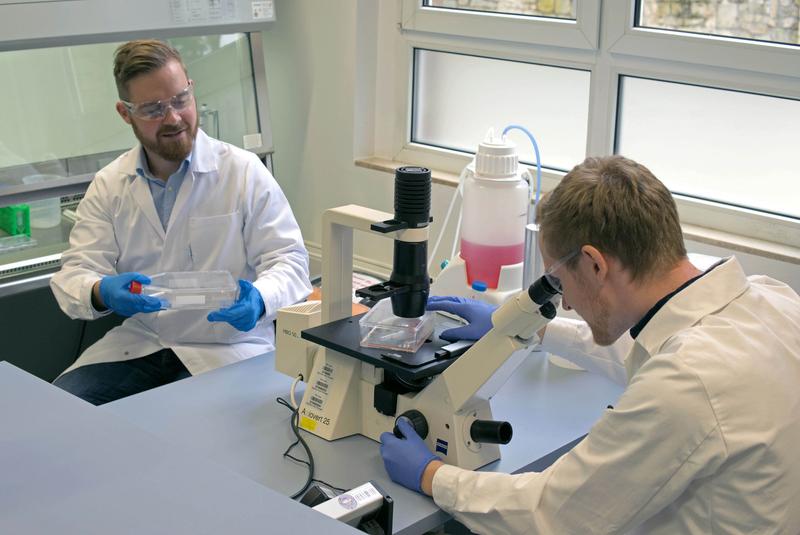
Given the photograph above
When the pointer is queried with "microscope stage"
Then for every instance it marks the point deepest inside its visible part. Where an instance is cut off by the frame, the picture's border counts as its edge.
(344, 336)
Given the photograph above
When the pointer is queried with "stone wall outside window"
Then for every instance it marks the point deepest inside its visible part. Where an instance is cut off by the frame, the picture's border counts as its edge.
(768, 20)
(545, 8)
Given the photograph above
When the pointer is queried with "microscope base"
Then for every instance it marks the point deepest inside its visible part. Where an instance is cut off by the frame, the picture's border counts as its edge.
(339, 400)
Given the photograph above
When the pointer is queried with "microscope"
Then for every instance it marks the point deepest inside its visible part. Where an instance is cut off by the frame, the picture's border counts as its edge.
(445, 394)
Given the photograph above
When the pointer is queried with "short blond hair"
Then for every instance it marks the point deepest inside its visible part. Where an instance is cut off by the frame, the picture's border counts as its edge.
(619, 207)
(135, 58)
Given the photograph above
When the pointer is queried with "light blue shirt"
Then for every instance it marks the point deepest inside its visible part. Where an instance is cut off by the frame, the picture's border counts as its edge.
(164, 193)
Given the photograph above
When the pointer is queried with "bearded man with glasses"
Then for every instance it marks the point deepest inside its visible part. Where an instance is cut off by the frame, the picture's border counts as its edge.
(178, 201)
(704, 438)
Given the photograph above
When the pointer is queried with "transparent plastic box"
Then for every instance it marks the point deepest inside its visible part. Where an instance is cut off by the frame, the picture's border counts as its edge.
(380, 328)
(15, 243)
(45, 213)
(191, 289)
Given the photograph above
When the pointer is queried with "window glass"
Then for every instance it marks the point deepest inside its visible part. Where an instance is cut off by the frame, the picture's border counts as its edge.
(457, 98)
(774, 20)
(720, 145)
(562, 9)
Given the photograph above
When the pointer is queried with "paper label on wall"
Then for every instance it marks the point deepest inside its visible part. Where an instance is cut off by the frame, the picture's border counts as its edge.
(178, 11)
(199, 11)
(263, 9)
(251, 141)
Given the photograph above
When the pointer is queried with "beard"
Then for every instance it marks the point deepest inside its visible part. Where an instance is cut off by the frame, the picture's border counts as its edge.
(598, 318)
(599, 325)
(172, 150)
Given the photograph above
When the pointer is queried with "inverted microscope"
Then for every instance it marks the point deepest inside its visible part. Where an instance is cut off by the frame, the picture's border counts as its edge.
(444, 390)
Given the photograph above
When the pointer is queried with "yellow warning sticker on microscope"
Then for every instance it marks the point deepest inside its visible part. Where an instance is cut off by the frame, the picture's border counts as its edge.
(307, 423)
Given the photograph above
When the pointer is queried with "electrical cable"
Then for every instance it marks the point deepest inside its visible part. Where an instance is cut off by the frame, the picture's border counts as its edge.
(293, 388)
(310, 462)
(300, 440)
(329, 485)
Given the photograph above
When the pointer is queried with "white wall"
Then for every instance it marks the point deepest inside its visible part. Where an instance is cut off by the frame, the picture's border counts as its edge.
(322, 71)
(311, 74)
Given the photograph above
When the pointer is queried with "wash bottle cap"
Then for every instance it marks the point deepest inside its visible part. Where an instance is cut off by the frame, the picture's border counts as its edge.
(479, 286)
(496, 157)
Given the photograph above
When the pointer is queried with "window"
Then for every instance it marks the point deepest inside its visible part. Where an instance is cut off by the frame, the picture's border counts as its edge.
(728, 146)
(704, 92)
(454, 108)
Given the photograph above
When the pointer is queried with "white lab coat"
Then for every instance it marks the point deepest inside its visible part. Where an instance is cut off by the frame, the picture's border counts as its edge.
(704, 439)
(230, 214)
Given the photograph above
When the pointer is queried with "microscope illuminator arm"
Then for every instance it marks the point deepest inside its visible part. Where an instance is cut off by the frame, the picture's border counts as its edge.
(337, 251)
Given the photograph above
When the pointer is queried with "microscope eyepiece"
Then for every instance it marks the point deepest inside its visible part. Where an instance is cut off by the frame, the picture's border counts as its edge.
(542, 291)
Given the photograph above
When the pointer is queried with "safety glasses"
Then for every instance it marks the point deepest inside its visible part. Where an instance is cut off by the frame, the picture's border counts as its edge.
(151, 111)
(554, 281)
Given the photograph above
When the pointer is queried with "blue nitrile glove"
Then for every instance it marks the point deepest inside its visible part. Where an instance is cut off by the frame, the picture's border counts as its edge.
(245, 312)
(477, 313)
(405, 459)
(116, 295)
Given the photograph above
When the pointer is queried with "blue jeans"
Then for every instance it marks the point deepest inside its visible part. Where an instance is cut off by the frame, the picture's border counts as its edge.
(109, 381)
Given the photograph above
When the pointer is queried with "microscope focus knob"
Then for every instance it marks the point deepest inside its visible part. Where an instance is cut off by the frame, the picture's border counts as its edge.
(417, 421)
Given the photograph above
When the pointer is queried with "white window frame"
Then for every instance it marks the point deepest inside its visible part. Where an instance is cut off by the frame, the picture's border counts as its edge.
(609, 49)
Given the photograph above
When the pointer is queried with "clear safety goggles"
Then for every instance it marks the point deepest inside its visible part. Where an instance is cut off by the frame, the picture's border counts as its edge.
(554, 281)
(150, 111)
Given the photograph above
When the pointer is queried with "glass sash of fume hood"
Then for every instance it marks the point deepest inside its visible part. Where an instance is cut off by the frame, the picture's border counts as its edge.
(63, 127)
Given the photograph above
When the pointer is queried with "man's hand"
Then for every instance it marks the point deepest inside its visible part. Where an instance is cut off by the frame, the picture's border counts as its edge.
(115, 294)
(477, 313)
(245, 312)
(406, 458)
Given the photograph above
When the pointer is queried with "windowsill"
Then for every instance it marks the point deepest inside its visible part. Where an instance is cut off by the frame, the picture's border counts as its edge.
(718, 238)
(742, 244)
(390, 166)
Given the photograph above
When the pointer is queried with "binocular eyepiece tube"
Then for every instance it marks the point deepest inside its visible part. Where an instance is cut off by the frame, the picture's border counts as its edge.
(491, 432)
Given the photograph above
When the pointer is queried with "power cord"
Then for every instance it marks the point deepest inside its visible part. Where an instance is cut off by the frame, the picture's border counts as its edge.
(300, 440)
(293, 389)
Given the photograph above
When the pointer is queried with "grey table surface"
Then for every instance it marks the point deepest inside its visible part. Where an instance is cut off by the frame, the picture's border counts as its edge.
(230, 415)
(69, 467)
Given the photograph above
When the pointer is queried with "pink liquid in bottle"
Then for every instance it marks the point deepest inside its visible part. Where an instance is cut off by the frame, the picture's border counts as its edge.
(484, 261)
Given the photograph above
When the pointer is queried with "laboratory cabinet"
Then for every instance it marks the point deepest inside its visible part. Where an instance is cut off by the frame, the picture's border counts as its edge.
(39, 338)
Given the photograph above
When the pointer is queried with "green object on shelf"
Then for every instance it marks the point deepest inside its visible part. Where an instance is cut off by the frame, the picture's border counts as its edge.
(16, 219)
